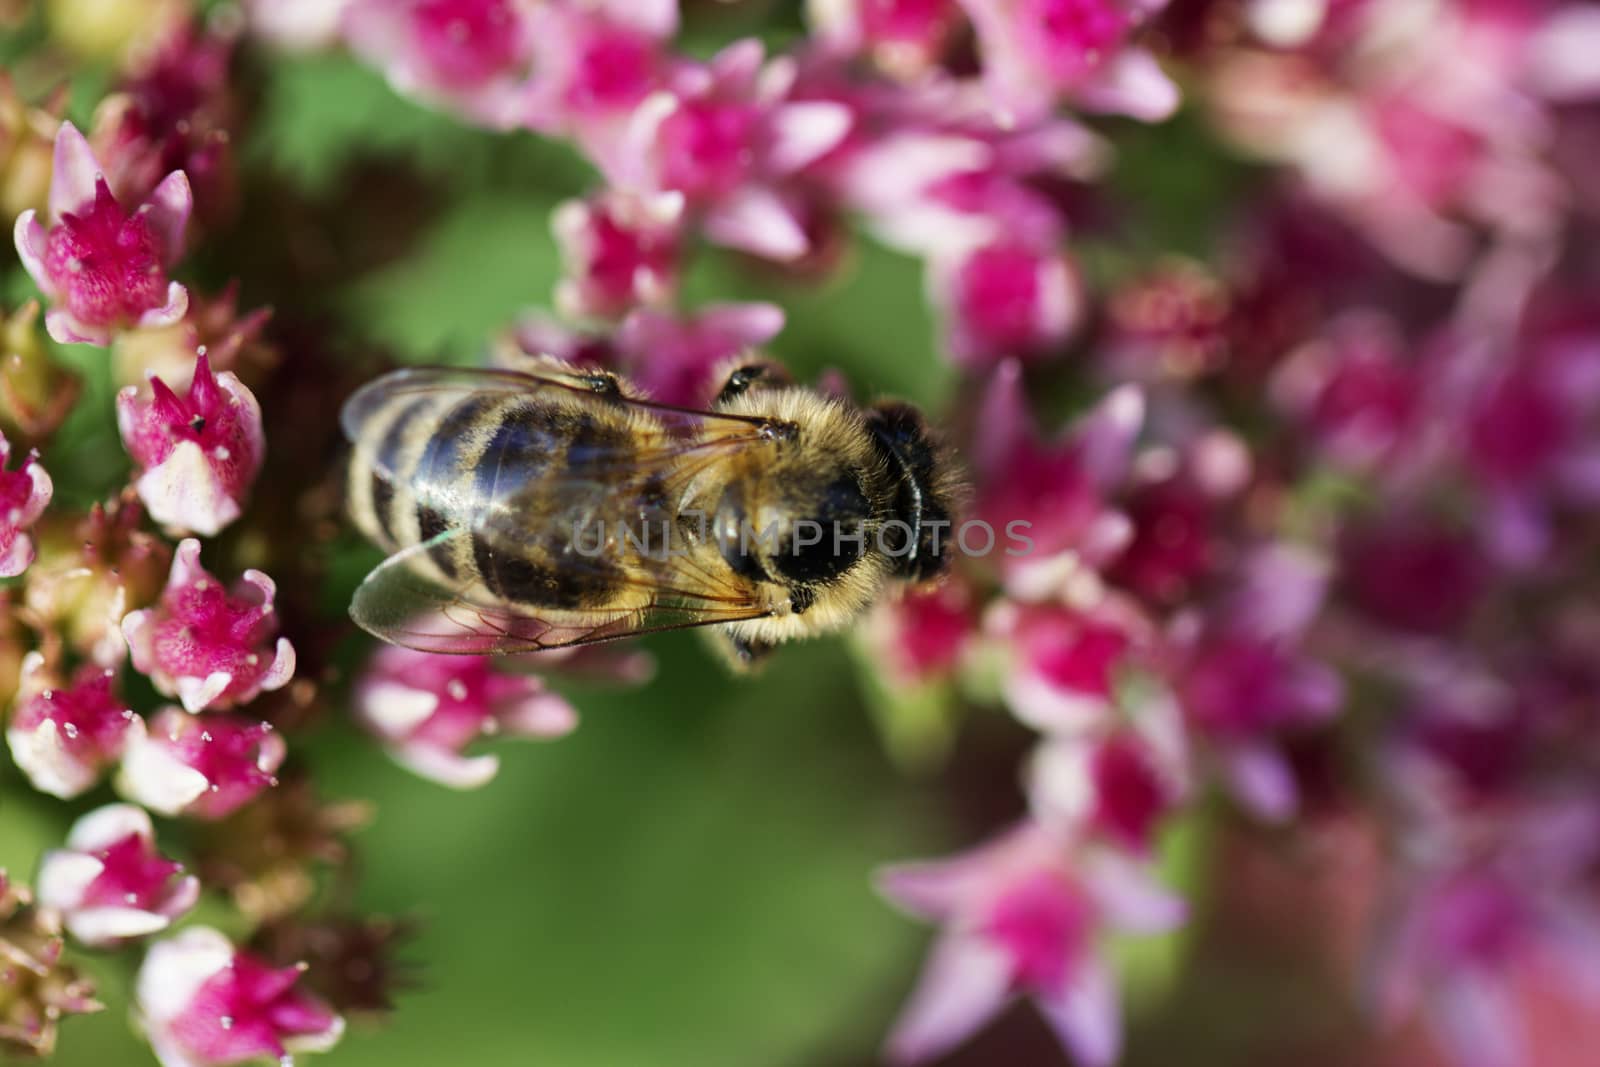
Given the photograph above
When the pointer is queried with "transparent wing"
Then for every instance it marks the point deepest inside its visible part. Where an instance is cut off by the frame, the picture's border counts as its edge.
(400, 606)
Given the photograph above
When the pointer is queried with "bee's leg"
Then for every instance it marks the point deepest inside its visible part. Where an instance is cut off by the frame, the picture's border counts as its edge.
(742, 653)
(746, 373)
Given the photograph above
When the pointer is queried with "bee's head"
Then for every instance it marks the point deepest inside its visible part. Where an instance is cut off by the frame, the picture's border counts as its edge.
(924, 497)
(809, 528)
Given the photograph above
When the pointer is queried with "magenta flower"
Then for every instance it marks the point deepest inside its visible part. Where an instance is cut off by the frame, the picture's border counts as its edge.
(24, 494)
(674, 358)
(1063, 663)
(1492, 898)
(110, 882)
(620, 252)
(1115, 786)
(63, 739)
(206, 646)
(1006, 299)
(203, 1003)
(1355, 391)
(427, 709)
(905, 37)
(594, 63)
(470, 55)
(1243, 680)
(1055, 493)
(198, 454)
(1038, 52)
(727, 136)
(1023, 915)
(923, 633)
(102, 267)
(205, 766)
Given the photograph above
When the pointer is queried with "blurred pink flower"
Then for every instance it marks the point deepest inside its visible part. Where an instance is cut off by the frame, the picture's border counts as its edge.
(472, 56)
(205, 766)
(205, 646)
(172, 113)
(203, 1003)
(906, 38)
(197, 455)
(24, 494)
(673, 357)
(924, 632)
(594, 63)
(1115, 784)
(110, 882)
(1056, 492)
(428, 708)
(1036, 53)
(1023, 915)
(101, 266)
(727, 136)
(1006, 299)
(620, 252)
(1063, 662)
(63, 739)
(1242, 679)
(1478, 909)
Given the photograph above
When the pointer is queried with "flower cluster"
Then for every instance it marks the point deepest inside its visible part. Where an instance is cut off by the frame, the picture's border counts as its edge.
(1310, 509)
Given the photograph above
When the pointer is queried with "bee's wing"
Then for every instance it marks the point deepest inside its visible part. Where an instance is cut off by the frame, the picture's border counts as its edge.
(400, 606)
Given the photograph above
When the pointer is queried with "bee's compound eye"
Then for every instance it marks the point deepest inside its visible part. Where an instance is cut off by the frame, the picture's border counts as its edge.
(827, 542)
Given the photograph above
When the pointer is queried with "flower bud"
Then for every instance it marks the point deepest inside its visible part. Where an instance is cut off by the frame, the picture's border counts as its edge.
(198, 454)
(205, 645)
(64, 737)
(207, 766)
(110, 883)
(205, 1003)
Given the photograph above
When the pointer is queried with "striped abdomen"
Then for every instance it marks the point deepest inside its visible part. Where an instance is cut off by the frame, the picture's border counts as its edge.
(512, 492)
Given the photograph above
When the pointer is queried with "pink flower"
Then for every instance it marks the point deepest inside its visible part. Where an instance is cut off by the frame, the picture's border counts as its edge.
(673, 358)
(24, 494)
(206, 646)
(1055, 493)
(923, 633)
(1491, 899)
(1037, 52)
(63, 739)
(1356, 391)
(205, 766)
(1242, 679)
(1023, 915)
(1063, 663)
(103, 267)
(906, 37)
(427, 709)
(1115, 786)
(197, 454)
(727, 137)
(470, 55)
(620, 251)
(203, 1003)
(110, 882)
(595, 62)
(1006, 299)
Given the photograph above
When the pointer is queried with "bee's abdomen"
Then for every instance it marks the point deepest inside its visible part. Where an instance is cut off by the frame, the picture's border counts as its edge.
(523, 481)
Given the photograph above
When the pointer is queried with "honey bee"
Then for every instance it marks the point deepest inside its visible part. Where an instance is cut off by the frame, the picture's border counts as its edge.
(558, 506)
